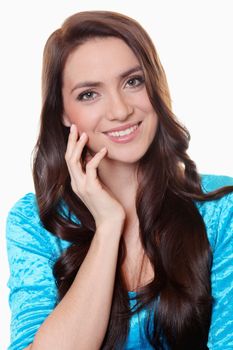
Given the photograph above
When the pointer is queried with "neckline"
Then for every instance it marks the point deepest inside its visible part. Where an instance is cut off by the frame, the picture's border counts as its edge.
(131, 292)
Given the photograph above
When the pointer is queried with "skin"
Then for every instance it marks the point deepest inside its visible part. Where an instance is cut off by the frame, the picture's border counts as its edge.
(103, 89)
(106, 184)
(116, 97)
(116, 101)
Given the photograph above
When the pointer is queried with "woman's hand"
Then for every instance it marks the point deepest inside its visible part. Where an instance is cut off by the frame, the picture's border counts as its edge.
(85, 183)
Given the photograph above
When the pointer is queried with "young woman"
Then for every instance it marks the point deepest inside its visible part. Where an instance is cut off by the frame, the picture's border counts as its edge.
(124, 245)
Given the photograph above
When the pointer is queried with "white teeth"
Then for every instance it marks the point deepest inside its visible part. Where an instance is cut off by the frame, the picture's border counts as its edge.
(123, 132)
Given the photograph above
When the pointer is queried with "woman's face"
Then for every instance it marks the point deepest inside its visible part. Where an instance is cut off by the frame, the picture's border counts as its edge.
(104, 95)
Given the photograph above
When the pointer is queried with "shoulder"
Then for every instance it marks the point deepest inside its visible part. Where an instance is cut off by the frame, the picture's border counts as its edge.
(213, 182)
(23, 219)
(32, 251)
(25, 207)
(24, 229)
(217, 214)
(218, 218)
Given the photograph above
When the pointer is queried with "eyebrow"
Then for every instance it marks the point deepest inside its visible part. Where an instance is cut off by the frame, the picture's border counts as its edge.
(97, 83)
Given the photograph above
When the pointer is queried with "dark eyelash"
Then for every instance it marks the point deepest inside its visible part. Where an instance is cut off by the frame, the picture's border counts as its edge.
(137, 77)
(81, 96)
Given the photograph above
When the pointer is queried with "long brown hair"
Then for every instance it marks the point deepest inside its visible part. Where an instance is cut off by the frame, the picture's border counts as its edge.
(172, 230)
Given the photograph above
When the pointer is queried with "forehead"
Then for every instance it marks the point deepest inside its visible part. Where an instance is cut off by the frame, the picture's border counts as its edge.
(99, 56)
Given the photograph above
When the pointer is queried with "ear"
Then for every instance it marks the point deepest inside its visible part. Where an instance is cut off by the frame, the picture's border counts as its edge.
(66, 121)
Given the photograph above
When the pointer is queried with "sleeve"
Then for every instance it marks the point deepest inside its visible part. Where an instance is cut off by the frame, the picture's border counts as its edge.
(221, 330)
(32, 286)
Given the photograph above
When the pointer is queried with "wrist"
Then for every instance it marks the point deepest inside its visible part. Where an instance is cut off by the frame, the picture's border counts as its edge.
(112, 227)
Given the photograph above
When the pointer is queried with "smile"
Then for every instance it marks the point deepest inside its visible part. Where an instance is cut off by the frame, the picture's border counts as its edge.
(123, 135)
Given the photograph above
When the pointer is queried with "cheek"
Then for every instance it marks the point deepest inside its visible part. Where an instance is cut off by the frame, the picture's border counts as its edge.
(80, 124)
(78, 117)
(155, 123)
(143, 102)
(149, 112)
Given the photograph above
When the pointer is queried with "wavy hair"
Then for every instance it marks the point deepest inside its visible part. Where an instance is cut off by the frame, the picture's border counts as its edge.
(172, 230)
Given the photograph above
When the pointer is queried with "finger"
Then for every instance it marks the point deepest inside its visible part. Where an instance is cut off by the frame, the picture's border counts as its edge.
(93, 164)
(72, 139)
(86, 157)
(74, 160)
(78, 149)
(77, 176)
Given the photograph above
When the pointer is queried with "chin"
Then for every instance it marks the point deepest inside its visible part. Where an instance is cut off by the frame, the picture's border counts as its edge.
(126, 158)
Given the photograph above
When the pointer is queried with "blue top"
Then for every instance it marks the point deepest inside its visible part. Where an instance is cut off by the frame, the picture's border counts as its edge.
(32, 252)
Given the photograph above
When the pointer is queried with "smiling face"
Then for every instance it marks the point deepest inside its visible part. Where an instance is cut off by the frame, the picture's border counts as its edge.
(104, 94)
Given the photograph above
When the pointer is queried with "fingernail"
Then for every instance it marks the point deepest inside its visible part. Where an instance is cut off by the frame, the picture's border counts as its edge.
(82, 135)
(72, 128)
(103, 149)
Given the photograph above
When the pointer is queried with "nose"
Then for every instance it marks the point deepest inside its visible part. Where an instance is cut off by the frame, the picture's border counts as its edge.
(118, 107)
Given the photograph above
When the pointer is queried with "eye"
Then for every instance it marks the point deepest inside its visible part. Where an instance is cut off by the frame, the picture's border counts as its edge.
(135, 81)
(87, 96)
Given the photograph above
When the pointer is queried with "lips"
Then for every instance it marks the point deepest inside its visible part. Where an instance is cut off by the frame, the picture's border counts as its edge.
(124, 129)
(124, 133)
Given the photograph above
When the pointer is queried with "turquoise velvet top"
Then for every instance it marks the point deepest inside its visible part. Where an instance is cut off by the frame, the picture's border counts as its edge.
(32, 252)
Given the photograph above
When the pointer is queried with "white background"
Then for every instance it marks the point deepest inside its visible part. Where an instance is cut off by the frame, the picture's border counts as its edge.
(194, 42)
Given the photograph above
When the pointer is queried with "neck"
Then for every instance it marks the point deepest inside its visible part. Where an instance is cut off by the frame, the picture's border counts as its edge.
(121, 179)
